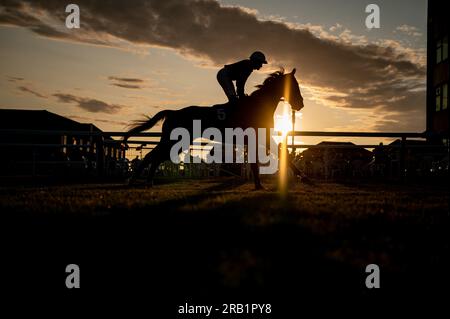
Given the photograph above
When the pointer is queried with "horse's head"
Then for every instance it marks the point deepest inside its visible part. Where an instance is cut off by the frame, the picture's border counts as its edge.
(292, 92)
(279, 85)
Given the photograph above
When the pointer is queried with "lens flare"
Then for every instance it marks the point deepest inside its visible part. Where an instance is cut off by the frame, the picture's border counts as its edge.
(283, 162)
(283, 124)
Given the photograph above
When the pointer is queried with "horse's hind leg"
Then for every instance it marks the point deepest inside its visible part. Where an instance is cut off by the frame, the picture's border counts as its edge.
(298, 172)
(161, 154)
(145, 163)
(155, 161)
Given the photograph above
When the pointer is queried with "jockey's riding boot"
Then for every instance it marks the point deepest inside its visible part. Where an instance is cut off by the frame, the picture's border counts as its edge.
(233, 100)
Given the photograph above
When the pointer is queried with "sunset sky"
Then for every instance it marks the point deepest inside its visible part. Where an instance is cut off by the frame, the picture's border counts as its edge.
(137, 57)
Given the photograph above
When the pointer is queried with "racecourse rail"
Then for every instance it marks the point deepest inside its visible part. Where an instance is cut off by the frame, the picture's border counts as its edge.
(401, 135)
(105, 138)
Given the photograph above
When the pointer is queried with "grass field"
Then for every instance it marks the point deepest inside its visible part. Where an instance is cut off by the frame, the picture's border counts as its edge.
(220, 236)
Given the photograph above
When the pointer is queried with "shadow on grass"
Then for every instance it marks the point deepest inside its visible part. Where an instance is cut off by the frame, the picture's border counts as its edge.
(201, 248)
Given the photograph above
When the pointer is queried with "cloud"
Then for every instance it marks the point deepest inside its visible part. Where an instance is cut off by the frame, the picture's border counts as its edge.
(367, 75)
(335, 27)
(88, 104)
(132, 80)
(14, 79)
(127, 83)
(127, 86)
(408, 30)
(31, 91)
(25, 86)
(251, 11)
(412, 121)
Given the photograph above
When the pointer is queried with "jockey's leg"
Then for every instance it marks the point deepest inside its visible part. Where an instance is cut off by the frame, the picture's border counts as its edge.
(227, 85)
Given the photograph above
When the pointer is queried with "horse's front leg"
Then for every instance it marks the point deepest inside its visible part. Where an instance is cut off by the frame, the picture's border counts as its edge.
(255, 167)
(255, 171)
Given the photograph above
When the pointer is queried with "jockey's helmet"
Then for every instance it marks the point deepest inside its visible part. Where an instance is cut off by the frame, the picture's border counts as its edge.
(258, 57)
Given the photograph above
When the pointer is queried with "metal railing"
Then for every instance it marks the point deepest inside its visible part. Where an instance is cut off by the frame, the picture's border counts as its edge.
(104, 139)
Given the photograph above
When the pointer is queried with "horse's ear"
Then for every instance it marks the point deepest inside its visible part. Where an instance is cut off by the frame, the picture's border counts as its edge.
(293, 71)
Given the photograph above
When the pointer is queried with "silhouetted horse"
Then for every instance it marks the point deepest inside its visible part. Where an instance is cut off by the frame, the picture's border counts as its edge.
(255, 111)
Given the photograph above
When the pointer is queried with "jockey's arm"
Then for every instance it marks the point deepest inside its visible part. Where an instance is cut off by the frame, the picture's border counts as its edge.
(240, 85)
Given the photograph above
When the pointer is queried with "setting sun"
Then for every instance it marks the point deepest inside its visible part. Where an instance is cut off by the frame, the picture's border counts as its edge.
(283, 121)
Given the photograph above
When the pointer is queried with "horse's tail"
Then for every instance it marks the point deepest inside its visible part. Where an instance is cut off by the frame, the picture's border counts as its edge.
(148, 123)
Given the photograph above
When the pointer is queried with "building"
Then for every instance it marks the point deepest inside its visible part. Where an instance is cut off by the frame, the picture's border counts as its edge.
(334, 160)
(438, 67)
(38, 142)
(417, 159)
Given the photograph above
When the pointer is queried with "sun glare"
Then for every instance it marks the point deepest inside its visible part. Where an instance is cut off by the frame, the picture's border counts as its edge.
(283, 124)
(283, 121)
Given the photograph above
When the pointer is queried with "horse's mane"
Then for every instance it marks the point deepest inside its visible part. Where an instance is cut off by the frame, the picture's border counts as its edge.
(270, 79)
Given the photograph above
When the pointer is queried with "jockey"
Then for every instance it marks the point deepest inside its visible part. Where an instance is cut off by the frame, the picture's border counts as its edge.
(239, 72)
